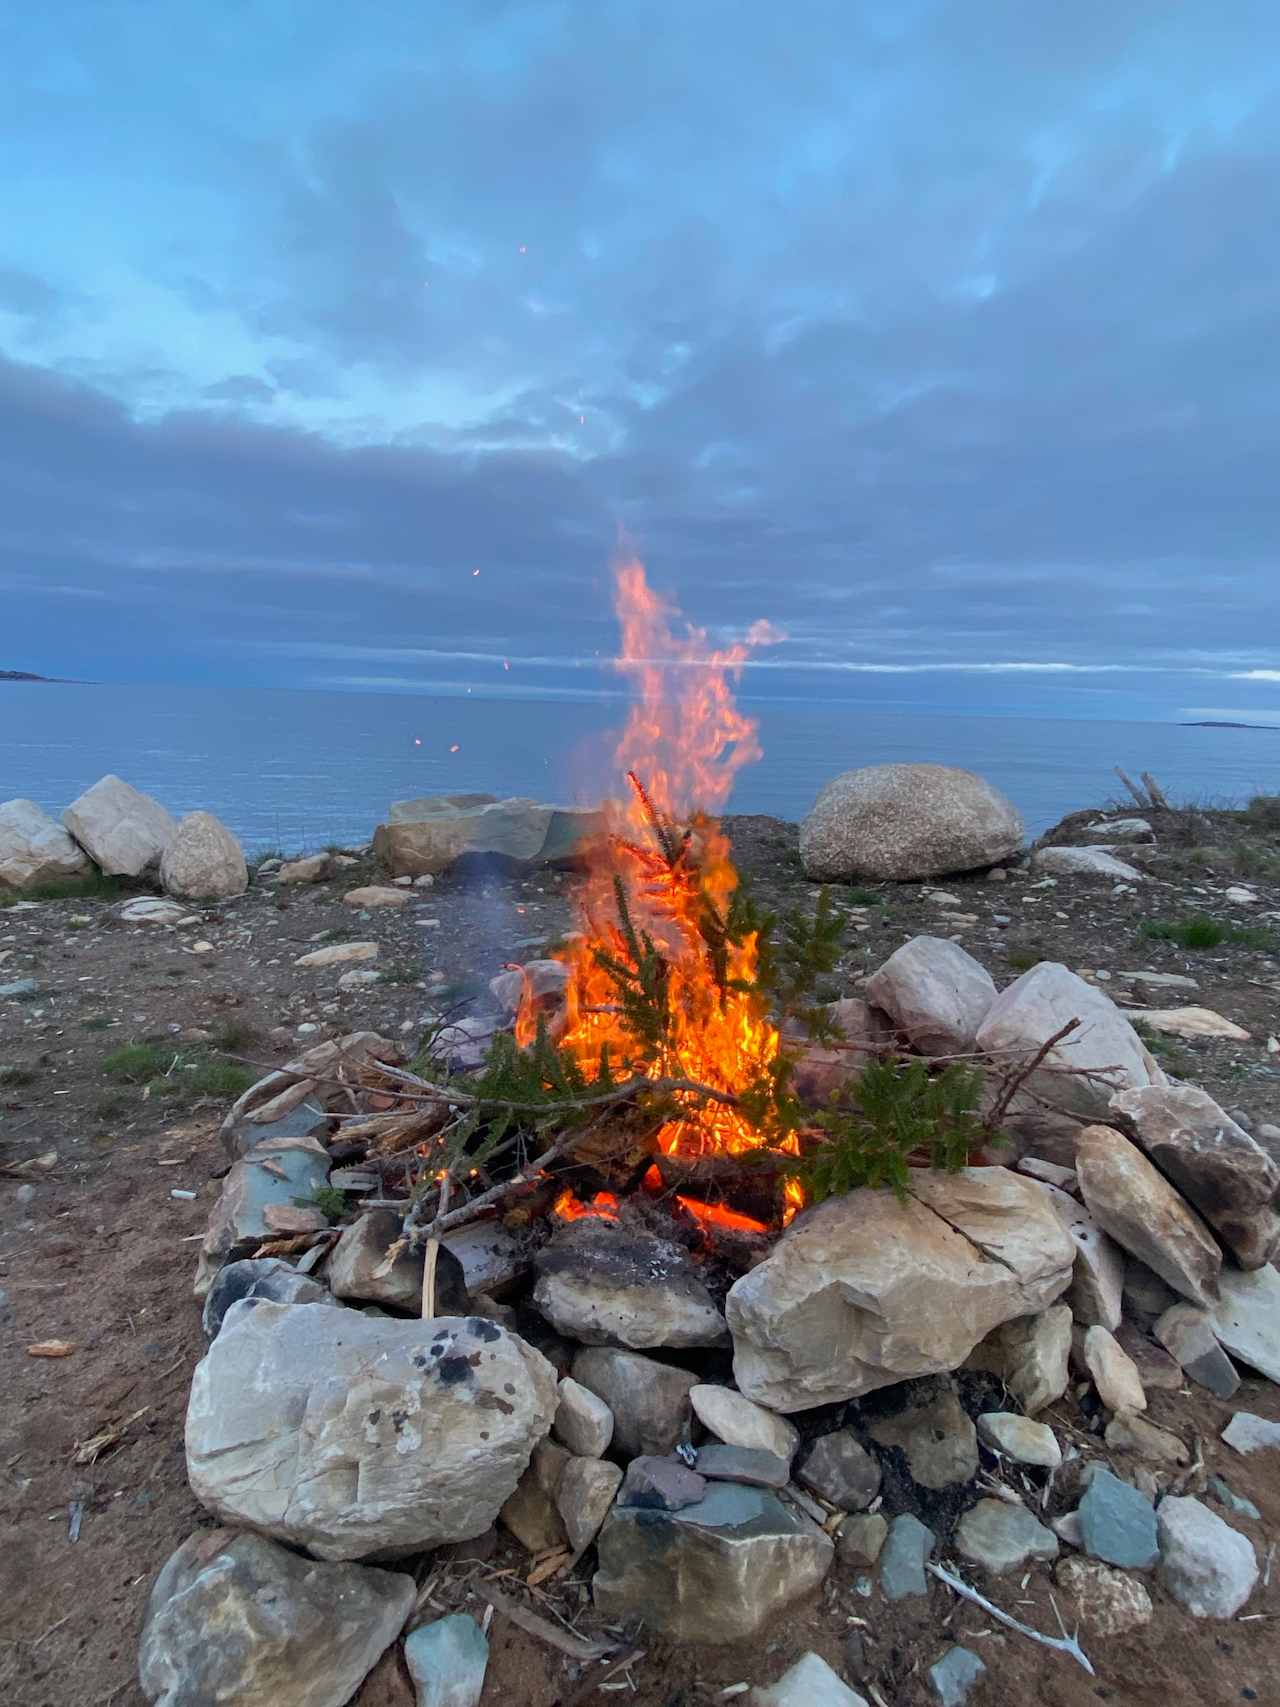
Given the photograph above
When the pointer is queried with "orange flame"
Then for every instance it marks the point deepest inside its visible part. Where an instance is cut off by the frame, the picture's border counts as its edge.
(683, 745)
(603, 1206)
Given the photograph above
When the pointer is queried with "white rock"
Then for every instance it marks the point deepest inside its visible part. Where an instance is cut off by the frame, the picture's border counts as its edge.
(1083, 862)
(904, 821)
(376, 895)
(1190, 1022)
(1107, 1602)
(1122, 830)
(1114, 1372)
(124, 832)
(584, 1423)
(1247, 1318)
(35, 849)
(1097, 1287)
(810, 1682)
(1249, 1433)
(1021, 1439)
(1207, 1566)
(1241, 896)
(338, 954)
(934, 992)
(203, 861)
(738, 1422)
(313, 869)
(359, 980)
(151, 910)
(584, 1497)
(351, 1436)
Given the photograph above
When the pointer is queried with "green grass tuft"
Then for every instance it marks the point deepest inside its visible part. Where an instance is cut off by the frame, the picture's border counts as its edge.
(1201, 931)
(865, 898)
(137, 1063)
(95, 888)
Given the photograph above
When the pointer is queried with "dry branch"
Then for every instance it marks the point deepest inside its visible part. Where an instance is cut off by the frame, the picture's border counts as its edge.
(1064, 1644)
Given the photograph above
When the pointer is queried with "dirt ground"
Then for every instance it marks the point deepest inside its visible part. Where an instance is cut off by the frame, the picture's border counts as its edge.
(97, 1250)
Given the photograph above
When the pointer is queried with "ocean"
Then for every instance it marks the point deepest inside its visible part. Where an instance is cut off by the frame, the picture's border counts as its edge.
(293, 770)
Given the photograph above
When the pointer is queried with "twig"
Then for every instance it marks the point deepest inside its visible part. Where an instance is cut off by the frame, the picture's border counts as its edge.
(577, 1647)
(1064, 1644)
(1013, 1084)
(477, 1206)
(433, 1253)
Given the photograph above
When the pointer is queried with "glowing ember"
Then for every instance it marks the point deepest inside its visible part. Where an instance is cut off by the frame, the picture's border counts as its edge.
(684, 743)
(603, 1206)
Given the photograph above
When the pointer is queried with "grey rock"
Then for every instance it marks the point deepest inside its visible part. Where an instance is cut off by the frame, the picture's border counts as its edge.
(358, 1260)
(603, 1283)
(234, 1617)
(839, 1468)
(447, 1661)
(587, 1490)
(314, 868)
(1117, 1523)
(1122, 830)
(1187, 1334)
(492, 1257)
(306, 1119)
(1083, 862)
(1208, 1567)
(1031, 1356)
(937, 1438)
(271, 1176)
(265, 1279)
(810, 1682)
(544, 981)
(203, 861)
(1001, 1537)
(426, 836)
(1146, 1297)
(935, 993)
(1247, 1433)
(824, 1071)
(661, 1484)
(649, 1400)
(295, 1406)
(17, 988)
(1247, 1318)
(123, 832)
(902, 1559)
(954, 1675)
(1157, 1371)
(736, 1421)
(1234, 1502)
(532, 1513)
(584, 1423)
(718, 1571)
(1097, 1288)
(1135, 1435)
(35, 849)
(746, 1464)
(1020, 1439)
(1107, 1602)
(1141, 1211)
(860, 1538)
(906, 821)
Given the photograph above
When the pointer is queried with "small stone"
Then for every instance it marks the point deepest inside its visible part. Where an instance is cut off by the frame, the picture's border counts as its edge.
(1108, 1603)
(1002, 1537)
(1067, 1528)
(1234, 1502)
(532, 1513)
(747, 1464)
(584, 1423)
(840, 1469)
(1134, 1434)
(954, 1675)
(1187, 1334)
(938, 1439)
(374, 895)
(1247, 1433)
(18, 988)
(358, 980)
(661, 1484)
(810, 1682)
(860, 1539)
(1207, 1566)
(1021, 1439)
(1114, 1375)
(737, 1421)
(1247, 1320)
(447, 1661)
(902, 1560)
(588, 1487)
(1117, 1523)
(314, 869)
(1031, 1355)
(649, 1400)
(338, 954)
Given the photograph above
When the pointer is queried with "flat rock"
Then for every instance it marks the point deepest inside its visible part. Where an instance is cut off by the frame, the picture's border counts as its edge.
(338, 954)
(587, 1490)
(123, 832)
(1188, 1336)
(1020, 1439)
(1247, 1318)
(1208, 1567)
(1212, 1161)
(447, 1661)
(1084, 862)
(902, 1559)
(935, 993)
(1122, 830)
(1031, 1356)
(151, 910)
(305, 1118)
(493, 1258)
(35, 849)
(649, 1400)
(810, 1682)
(745, 1464)
(1133, 1202)
(269, 1177)
(661, 1484)
(262, 1280)
(736, 1421)
(954, 1675)
(295, 1406)
(1191, 1022)
(233, 1617)
(203, 861)
(1235, 1503)
(863, 1291)
(1249, 1433)
(1096, 1294)
(839, 1468)
(718, 1571)
(1107, 1602)
(604, 1283)
(584, 1423)
(1001, 1537)
(1118, 1524)
(860, 1538)
(360, 1272)
(937, 1438)
(1128, 1433)
(1160, 980)
(1113, 1372)
(377, 895)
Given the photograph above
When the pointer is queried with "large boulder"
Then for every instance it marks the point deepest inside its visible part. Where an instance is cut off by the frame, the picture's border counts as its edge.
(203, 861)
(35, 849)
(235, 1617)
(935, 993)
(602, 1283)
(354, 1436)
(121, 830)
(867, 1290)
(1132, 1201)
(424, 837)
(906, 821)
(1034, 1008)
(1214, 1163)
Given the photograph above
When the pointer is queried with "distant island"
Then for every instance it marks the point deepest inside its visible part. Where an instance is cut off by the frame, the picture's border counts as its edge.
(30, 676)
(1210, 723)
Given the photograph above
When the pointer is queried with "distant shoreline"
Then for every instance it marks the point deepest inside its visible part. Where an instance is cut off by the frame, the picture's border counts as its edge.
(1209, 724)
(49, 681)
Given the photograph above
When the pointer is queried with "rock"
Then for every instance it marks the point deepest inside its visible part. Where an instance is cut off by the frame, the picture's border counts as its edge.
(661, 1484)
(1214, 1163)
(123, 832)
(1031, 1356)
(532, 1513)
(1063, 1180)
(1207, 1566)
(236, 1618)
(203, 861)
(937, 1438)
(1142, 1212)
(810, 1682)
(303, 1117)
(860, 1538)
(1187, 1335)
(584, 1423)
(338, 954)
(902, 821)
(738, 1422)
(1247, 1320)
(1035, 1007)
(1117, 1523)
(35, 849)
(295, 1406)
(447, 1661)
(358, 980)
(1249, 1433)
(1190, 1022)
(270, 1176)
(1083, 862)
(1122, 830)
(358, 1260)
(954, 1675)
(151, 910)
(492, 1257)
(1146, 1297)
(544, 980)
(746, 1464)
(1234, 1502)
(1018, 1438)
(863, 1291)
(1113, 1373)
(1156, 1369)
(902, 1559)
(1107, 1602)
(1160, 980)
(1142, 1439)
(1002, 1537)
(376, 895)
(588, 1487)
(605, 1283)
(935, 993)
(1067, 1528)
(264, 1279)
(313, 869)
(841, 1470)
(1096, 1295)
(649, 1400)
(17, 990)
(718, 1571)
(426, 836)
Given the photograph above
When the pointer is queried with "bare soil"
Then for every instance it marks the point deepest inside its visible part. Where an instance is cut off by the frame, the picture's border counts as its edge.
(96, 1250)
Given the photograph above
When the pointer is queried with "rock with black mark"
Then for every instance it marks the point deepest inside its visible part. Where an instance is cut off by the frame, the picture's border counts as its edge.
(1020, 1439)
(532, 1513)
(271, 1176)
(363, 1271)
(745, 1464)
(1097, 1287)
(1112, 1371)
(447, 1660)
(35, 849)
(649, 1400)
(123, 831)
(261, 1280)
(718, 1571)
(604, 1283)
(935, 993)
(1207, 1566)
(1001, 1537)
(233, 1616)
(902, 1559)
(935, 1435)
(736, 1421)
(1187, 1335)
(954, 1675)
(587, 1490)
(1107, 1602)
(810, 1682)
(1133, 1202)
(584, 1423)
(297, 1409)
(1031, 1356)
(1246, 1319)
(1117, 1523)
(840, 1469)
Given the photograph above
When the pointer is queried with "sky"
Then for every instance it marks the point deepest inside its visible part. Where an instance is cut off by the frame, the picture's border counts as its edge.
(340, 346)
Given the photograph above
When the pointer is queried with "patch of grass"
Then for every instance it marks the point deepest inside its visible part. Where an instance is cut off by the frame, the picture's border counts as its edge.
(95, 888)
(210, 1078)
(1201, 931)
(328, 1199)
(234, 1035)
(137, 1063)
(864, 898)
(176, 1076)
(1249, 860)
(400, 972)
(12, 1077)
(1263, 811)
(1167, 1050)
(1022, 956)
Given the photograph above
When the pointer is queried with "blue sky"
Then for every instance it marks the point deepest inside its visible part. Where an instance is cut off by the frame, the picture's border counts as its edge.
(944, 336)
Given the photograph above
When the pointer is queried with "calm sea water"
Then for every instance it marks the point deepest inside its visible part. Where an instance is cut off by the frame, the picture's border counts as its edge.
(298, 769)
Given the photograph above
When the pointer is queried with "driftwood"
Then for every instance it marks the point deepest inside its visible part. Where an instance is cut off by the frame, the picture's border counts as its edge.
(1154, 798)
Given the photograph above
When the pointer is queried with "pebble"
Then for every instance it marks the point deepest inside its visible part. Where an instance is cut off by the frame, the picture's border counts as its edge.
(954, 1675)
(18, 988)
(907, 1546)
(1117, 1523)
(661, 1484)
(860, 1539)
